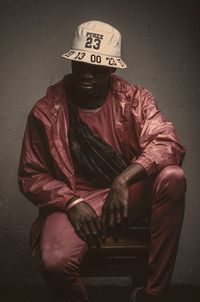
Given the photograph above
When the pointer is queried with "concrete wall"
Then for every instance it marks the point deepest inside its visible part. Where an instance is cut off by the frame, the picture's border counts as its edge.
(161, 47)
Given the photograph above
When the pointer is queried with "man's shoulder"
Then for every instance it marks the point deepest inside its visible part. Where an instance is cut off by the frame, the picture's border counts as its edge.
(122, 86)
(52, 100)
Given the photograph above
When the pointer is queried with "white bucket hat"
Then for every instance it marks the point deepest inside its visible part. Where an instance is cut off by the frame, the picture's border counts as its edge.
(96, 43)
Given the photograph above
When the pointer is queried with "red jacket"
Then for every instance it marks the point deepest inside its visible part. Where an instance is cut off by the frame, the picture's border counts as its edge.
(46, 175)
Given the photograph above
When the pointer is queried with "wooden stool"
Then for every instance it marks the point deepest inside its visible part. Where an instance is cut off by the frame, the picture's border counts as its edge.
(127, 257)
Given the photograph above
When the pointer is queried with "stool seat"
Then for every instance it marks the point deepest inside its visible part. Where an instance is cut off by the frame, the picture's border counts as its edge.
(119, 258)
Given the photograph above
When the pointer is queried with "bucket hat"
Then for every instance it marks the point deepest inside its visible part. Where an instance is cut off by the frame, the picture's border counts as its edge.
(96, 43)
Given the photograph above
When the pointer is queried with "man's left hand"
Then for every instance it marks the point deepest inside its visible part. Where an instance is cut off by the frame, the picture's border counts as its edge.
(115, 208)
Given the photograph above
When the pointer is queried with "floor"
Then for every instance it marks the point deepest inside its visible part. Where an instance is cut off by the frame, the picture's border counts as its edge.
(183, 293)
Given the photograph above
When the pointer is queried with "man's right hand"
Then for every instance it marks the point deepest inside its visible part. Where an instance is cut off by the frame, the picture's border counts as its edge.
(86, 223)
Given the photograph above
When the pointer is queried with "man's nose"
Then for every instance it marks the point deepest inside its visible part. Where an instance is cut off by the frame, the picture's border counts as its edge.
(87, 75)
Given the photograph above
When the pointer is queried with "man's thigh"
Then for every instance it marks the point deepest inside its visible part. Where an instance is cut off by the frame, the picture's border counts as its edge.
(166, 186)
(59, 244)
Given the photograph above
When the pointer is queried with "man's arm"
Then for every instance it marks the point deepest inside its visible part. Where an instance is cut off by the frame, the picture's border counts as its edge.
(160, 148)
(158, 141)
(36, 174)
(37, 181)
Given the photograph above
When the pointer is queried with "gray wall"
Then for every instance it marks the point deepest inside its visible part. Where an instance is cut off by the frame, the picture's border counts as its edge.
(161, 47)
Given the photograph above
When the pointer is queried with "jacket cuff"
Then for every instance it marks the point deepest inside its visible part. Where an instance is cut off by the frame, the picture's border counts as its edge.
(147, 164)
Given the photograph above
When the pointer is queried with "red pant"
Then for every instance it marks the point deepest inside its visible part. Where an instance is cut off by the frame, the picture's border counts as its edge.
(162, 194)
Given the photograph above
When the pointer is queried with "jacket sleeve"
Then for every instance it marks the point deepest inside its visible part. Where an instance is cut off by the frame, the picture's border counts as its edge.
(36, 176)
(158, 141)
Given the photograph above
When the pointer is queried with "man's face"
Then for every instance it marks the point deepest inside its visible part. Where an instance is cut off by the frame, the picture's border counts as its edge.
(91, 79)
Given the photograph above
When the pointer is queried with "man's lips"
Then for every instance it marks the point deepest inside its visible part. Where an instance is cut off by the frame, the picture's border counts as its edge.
(87, 85)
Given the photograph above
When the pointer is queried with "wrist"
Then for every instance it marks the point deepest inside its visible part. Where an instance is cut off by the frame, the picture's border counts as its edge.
(72, 202)
(132, 174)
(120, 180)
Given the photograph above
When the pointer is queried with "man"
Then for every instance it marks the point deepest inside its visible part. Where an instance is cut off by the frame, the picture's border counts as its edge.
(95, 150)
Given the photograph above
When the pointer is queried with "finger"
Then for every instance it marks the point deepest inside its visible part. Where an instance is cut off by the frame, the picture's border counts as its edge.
(86, 233)
(117, 217)
(105, 214)
(124, 211)
(114, 234)
(94, 234)
(111, 218)
(113, 223)
(99, 229)
(80, 233)
(103, 222)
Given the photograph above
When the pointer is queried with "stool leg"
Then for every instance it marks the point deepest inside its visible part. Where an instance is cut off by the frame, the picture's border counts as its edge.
(139, 273)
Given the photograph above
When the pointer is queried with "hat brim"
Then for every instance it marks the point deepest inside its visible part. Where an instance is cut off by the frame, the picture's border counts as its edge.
(94, 58)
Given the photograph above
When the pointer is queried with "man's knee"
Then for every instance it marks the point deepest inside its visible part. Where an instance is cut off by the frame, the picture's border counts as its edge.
(173, 180)
(57, 261)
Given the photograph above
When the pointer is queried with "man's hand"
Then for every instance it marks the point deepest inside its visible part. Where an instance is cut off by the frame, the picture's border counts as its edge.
(115, 208)
(86, 224)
